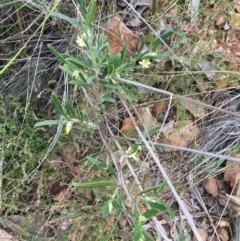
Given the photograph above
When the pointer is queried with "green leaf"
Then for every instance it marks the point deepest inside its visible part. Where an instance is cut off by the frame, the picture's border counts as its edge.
(105, 210)
(139, 52)
(235, 148)
(104, 166)
(165, 36)
(77, 61)
(117, 205)
(137, 236)
(147, 236)
(151, 40)
(95, 184)
(160, 206)
(51, 122)
(109, 86)
(182, 238)
(69, 110)
(91, 79)
(90, 14)
(124, 51)
(66, 70)
(116, 60)
(169, 33)
(108, 99)
(158, 188)
(68, 19)
(133, 150)
(152, 131)
(96, 162)
(58, 55)
(58, 105)
(178, 42)
(80, 83)
(83, 7)
(151, 213)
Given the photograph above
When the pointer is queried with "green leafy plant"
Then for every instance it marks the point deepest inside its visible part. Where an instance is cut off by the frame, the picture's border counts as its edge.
(155, 207)
(94, 70)
(95, 67)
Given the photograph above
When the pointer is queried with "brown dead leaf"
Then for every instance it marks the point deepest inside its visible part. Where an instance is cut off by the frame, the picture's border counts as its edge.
(232, 203)
(233, 67)
(5, 236)
(123, 222)
(223, 234)
(189, 208)
(127, 124)
(222, 82)
(63, 194)
(87, 194)
(237, 7)
(202, 85)
(182, 135)
(202, 233)
(233, 173)
(145, 120)
(128, 205)
(142, 209)
(211, 186)
(190, 29)
(213, 238)
(118, 34)
(223, 223)
(220, 21)
(158, 107)
(234, 21)
(210, 45)
(222, 201)
(196, 110)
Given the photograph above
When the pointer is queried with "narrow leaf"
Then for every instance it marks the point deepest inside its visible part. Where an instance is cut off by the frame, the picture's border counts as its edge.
(151, 213)
(147, 236)
(90, 15)
(50, 122)
(101, 165)
(58, 105)
(69, 109)
(182, 238)
(159, 188)
(124, 51)
(152, 131)
(66, 18)
(165, 36)
(83, 7)
(94, 184)
(117, 205)
(137, 231)
(58, 55)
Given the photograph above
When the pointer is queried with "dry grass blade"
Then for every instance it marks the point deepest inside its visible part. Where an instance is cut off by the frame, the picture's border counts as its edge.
(27, 29)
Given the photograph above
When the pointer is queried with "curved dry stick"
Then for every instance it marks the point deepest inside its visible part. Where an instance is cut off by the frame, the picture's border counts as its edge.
(176, 96)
